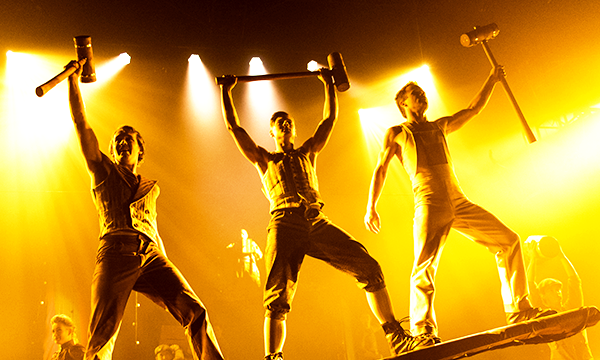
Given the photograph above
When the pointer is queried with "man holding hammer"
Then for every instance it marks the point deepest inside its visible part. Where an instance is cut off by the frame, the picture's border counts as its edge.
(131, 254)
(440, 205)
(298, 226)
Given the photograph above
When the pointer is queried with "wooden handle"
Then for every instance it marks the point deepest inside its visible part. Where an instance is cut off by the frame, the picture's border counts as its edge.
(47, 86)
(528, 133)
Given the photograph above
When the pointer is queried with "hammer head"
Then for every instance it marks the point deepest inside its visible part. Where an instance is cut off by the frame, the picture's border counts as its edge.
(83, 45)
(339, 73)
(481, 33)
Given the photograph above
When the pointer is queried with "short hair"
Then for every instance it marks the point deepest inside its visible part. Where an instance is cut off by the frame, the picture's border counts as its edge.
(128, 130)
(401, 96)
(63, 319)
(548, 284)
(277, 115)
(163, 347)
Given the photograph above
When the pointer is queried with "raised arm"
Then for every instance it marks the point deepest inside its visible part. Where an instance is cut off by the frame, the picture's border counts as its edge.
(478, 103)
(330, 113)
(87, 137)
(530, 249)
(390, 148)
(575, 297)
(254, 153)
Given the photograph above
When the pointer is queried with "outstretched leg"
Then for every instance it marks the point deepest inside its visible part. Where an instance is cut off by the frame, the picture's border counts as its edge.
(162, 282)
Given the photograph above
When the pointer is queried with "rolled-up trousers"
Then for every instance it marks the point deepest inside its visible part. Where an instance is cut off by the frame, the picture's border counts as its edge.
(438, 208)
(291, 237)
(126, 263)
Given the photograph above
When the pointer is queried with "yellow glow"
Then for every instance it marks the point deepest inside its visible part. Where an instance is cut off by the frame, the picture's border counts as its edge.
(375, 121)
(423, 77)
(261, 94)
(562, 161)
(313, 66)
(107, 71)
(256, 66)
(34, 123)
(202, 91)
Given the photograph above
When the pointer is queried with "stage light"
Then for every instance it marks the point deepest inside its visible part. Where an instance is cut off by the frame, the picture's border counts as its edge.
(423, 77)
(125, 58)
(202, 91)
(375, 121)
(256, 66)
(107, 71)
(34, 124)
(313, 66)
(261, 94)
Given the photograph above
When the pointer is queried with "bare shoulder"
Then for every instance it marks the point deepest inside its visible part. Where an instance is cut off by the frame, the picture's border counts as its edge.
(392, 133)
(446, 122)
(262, 161)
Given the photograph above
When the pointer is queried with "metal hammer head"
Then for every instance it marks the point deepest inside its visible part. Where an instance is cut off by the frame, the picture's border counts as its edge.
(83, 45)
(481, 33)
(339, 73)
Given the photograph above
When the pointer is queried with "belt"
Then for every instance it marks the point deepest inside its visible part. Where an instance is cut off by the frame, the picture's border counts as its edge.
(309, 213)
(142, 241)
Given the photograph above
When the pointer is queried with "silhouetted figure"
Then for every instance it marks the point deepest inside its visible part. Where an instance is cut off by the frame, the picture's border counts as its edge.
(131, 254)
(247, 253)
(552, 294)
(298, 226)
(440, 205)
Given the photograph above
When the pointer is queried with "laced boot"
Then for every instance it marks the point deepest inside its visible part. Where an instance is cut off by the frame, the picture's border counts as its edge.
(425, 340)
(276, 356)
(399, 339)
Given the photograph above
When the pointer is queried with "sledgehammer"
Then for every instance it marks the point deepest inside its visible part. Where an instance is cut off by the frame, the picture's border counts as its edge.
(336, 65)
(482, 34)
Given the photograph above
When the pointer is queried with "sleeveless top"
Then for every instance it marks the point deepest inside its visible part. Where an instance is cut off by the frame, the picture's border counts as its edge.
(126, 202)
(291, 181)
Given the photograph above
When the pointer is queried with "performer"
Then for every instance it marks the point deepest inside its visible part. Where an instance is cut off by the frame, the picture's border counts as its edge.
(131, 254)
(63, 333)
(168, 352)
(440, 205)
(549, 293)
(298, 227)
(248, 253)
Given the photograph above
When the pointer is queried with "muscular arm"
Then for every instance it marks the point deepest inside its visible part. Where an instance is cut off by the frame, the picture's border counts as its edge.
(254, 153)
(87, 137)
(390, 148)
(478, 103)
(330, 113)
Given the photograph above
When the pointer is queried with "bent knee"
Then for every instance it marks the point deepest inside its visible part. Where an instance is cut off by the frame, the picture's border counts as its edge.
(277, 312)
(373, 280)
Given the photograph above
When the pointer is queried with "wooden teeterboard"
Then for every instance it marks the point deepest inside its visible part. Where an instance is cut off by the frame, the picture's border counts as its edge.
(547, 329)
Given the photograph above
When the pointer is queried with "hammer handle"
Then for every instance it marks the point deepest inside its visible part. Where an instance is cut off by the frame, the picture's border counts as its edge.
(292, 75)
(44, 88)
(528, 133)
